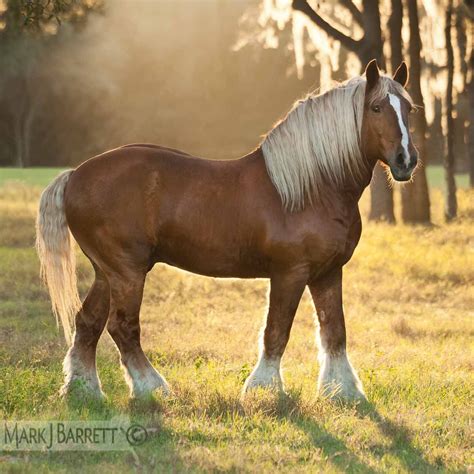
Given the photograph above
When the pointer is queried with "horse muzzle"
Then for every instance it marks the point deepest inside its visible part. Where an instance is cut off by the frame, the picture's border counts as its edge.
(402, 166)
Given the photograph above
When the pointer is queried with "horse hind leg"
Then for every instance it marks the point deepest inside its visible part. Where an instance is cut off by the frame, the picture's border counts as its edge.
(80, 362)
(124, 327)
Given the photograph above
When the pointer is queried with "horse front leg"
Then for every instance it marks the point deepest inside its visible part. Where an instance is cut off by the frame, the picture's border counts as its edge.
(285, 294)
(337, 378)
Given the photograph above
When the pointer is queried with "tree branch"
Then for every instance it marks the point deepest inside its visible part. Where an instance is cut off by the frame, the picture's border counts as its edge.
(350, 5)
(346, 41)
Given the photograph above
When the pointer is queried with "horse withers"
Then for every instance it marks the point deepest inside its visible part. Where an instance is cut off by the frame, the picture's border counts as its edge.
(288, 211)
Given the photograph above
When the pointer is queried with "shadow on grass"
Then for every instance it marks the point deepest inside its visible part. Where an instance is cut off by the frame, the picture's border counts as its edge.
(336, 451)
(402, 446)
(290, 408)
(160, 448)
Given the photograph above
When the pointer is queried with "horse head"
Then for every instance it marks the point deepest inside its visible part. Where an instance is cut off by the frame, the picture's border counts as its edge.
(386, 132)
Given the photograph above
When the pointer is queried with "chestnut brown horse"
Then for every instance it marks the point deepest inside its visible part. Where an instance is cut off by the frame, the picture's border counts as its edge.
(288, 211)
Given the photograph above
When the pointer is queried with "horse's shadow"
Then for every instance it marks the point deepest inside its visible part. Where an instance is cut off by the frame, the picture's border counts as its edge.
(401, 446)
(333, 449)
(283, 407)
(338, 453)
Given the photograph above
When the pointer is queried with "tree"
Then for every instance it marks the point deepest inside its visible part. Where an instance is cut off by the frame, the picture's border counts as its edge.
(415, 195)
(20, 99)
(21, 15)
(394, 24)
(471, 120)
(450, 209)
(29, 32)
(368, 47)
(467, 11)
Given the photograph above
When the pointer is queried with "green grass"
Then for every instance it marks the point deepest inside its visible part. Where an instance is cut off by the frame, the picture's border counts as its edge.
(435, 174)
(33, 176)
(408, 301)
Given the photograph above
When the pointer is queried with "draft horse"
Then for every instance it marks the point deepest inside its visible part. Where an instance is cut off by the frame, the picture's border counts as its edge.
(288, 211)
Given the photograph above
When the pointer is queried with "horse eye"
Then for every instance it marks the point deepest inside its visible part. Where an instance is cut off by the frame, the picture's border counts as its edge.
(376, 108)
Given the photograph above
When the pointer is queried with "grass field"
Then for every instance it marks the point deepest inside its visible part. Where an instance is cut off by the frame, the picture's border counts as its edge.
(408, 302)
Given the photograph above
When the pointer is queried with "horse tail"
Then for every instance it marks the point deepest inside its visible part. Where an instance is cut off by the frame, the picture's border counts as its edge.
(55, 247)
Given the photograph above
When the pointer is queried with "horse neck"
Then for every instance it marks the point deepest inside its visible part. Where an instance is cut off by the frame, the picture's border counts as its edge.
(354, 189)
(350, 191)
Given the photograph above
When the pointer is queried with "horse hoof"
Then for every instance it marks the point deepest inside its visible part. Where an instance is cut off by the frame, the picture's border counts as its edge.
(160, 387)
(273, 384)
(336, 392)
(81, 390)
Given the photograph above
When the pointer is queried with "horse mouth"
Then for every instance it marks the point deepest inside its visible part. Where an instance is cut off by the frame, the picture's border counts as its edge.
(402, 176)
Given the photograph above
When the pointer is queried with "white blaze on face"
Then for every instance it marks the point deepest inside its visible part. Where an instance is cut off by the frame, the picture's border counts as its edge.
(395, 103)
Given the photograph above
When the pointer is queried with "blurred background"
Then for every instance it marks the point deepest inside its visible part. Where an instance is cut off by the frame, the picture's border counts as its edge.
(78, 77)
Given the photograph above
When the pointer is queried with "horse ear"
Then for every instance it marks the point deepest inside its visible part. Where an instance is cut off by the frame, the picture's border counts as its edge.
(372, 74)
(401, 74)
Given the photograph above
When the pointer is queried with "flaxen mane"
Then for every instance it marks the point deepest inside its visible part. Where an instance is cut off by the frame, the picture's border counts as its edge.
(318, 141)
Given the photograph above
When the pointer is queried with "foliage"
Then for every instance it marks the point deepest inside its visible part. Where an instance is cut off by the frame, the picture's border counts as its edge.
(408, 302)
(39, 14)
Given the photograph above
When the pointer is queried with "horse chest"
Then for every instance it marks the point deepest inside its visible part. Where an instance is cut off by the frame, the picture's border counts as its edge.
(332, 242)
(321, 248)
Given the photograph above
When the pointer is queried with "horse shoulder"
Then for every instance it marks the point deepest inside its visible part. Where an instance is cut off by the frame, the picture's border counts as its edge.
(330, 235)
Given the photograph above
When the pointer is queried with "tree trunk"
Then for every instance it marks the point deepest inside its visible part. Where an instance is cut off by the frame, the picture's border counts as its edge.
(470, 136)
(381, 197)
(381, 193)
(394, 26)
(372, 45)
(415, 195)
(27, 135)
(18, 142)
(450, 209)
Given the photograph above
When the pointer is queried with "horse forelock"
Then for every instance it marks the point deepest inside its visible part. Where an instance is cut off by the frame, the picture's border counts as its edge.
(318, 143)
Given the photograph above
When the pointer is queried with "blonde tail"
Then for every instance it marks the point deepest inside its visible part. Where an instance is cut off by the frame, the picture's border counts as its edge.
(54, 244)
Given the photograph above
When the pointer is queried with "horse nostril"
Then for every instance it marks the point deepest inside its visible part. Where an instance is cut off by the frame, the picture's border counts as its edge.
(400, 159)
(413, 160)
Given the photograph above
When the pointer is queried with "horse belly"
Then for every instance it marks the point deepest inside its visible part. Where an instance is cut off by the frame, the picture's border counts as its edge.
(211, 247)
(229, 262)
